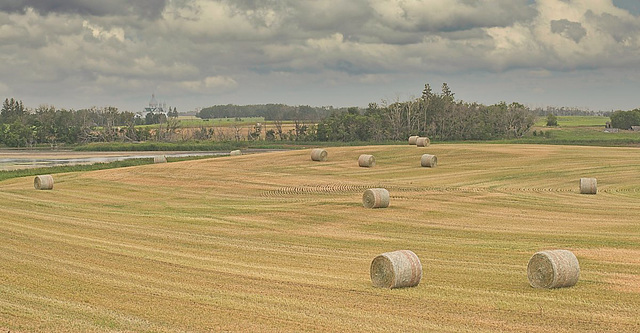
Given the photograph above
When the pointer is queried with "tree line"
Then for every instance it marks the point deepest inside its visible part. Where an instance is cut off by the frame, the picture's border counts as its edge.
(20, 127)
(272, 112)
(438, 116)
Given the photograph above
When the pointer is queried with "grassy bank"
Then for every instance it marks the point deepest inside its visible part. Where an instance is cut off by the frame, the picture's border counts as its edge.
(164, 146)
(576, 121)
(579, 136)
(8, 174)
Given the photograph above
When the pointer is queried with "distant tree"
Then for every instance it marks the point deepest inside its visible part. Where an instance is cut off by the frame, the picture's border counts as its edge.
(427, 92)
(173, 113)
(519, 120)
(149, 118)
(270, 135)
(423, 107)
(17, 134)
(11, 110)
(155, 118)
(625, 119)
(446, 92)
(268, 111)
(16, 125)
(552, 120)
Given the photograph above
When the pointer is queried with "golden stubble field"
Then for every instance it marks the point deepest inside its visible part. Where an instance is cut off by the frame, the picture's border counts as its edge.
(277, 242)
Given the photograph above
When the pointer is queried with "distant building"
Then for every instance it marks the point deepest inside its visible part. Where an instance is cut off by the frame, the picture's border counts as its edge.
(155, 107)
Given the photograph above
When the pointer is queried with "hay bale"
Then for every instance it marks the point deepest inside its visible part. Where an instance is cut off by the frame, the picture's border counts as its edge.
(43, 182)
(423, 142)
(366, 161)
(235, 153)
(429, 161)
(553, 269)
(160, 159)
(375, 198)
(319, 155)
(413, 139)
(396, 269)
(588, 186)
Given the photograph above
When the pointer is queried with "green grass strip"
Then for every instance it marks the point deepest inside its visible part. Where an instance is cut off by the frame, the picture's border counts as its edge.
(8, 174)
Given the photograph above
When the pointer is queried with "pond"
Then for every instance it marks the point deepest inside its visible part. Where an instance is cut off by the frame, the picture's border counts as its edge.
(22, 159)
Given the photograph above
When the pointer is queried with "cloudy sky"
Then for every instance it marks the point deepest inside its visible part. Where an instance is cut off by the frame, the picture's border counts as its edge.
(198, 53)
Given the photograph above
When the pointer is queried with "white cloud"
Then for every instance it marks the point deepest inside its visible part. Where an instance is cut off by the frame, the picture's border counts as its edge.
(437, 15)
(101, 33)
(565, 35)
(210, 84)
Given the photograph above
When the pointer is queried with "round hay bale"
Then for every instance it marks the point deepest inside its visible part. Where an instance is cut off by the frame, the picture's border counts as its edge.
(553, 269)
(43, 182)
(366, 161)
(429, 161)
(235, 153)
(588, 186)
(413, 139)
(375, 198)
(396, 269)
(319, 155)
(160, 159)
(423, 142)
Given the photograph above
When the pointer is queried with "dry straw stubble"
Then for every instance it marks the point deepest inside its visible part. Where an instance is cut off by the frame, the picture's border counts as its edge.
(319, 155)
(553, 269)
(43, 182)
(588, 186)
(396, 269)
(366, 161)
(423, 142)
(429, 161)
(375, 198)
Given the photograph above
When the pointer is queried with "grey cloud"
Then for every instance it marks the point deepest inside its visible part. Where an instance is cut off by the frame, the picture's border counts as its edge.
(142, 8)
(459, 15)
(620, 29)
(347, 16)
(358, 16)
(572, 30)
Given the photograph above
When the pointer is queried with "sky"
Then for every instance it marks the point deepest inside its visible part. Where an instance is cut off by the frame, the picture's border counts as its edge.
(76, 54)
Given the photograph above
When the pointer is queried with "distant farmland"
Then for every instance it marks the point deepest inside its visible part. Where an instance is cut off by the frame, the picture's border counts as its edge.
(277, 242)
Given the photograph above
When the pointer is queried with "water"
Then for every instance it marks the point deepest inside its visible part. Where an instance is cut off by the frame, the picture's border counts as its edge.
(7, 162)
(26, 159)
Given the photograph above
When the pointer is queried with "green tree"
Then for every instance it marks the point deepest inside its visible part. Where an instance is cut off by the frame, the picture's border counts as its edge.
(446, 92)
(625, 119)
(552, 120)
(17, 134)
(519, 120)
(11, 110)
(173, 113)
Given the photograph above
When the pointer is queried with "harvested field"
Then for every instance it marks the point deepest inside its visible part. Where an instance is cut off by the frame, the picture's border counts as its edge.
(277, 242)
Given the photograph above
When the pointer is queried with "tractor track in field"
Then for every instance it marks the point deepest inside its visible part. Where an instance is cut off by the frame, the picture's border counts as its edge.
(340, 188)
(343, 188)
